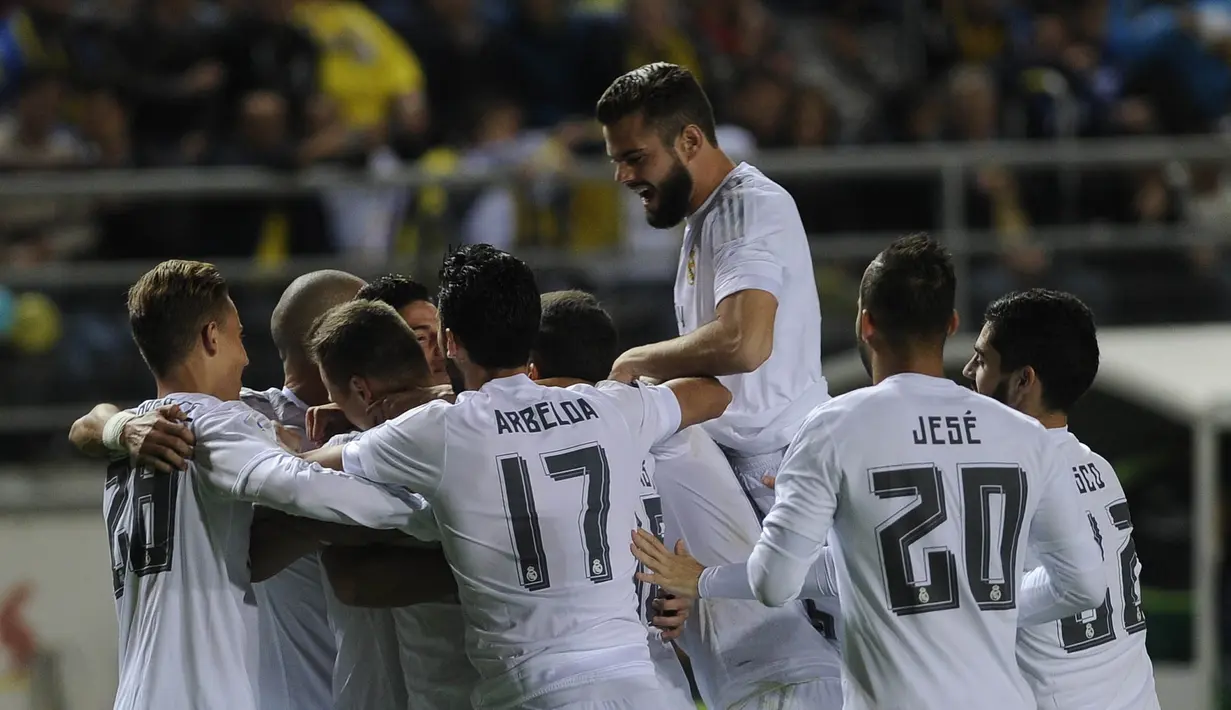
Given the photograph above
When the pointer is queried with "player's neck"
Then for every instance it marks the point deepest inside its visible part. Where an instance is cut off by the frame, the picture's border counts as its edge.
(712, 168)
(1053, 420)
(476, 377)
(310, 390)
(888, 365)
(184, 378)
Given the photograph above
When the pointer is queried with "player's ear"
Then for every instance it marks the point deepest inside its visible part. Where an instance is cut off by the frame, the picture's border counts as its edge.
(450, 343)
(533, 371)
(360, 387)
(209, 338)
(866, 329)
(690, 141)
(954, 322)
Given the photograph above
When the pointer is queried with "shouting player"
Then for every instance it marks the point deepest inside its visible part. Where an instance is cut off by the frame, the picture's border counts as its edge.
(1038, 352)
(530, 486)
(745, 293)
(932, 492)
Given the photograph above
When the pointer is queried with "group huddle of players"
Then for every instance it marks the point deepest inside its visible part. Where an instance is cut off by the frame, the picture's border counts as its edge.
(476, 500)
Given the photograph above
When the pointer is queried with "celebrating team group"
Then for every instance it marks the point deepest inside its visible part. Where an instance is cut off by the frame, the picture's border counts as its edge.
(473, 499)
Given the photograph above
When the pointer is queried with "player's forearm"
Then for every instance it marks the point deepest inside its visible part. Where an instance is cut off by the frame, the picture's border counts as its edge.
(713, 349)
(388, 577)
(780, 563)
(1063, 590)
(87, 432)
(732, 581)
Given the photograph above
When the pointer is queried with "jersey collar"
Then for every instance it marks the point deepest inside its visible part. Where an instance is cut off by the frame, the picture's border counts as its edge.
(705, 205)
(294, 398)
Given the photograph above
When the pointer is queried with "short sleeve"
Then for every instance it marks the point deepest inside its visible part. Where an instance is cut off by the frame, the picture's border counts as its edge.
(407, 451)
(652, 411)
(747, 251)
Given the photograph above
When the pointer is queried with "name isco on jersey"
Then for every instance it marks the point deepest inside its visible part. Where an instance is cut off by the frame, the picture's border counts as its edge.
(946, 430)
(544, 416)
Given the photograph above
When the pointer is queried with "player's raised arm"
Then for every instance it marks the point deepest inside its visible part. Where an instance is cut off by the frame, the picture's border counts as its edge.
(158, 438)
(656, 412)
(795, 529)
(1070, 579)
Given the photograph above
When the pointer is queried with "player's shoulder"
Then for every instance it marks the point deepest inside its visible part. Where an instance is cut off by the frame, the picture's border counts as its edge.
(216, 417)
(434, 413)
(1077, 451)
(746, 195)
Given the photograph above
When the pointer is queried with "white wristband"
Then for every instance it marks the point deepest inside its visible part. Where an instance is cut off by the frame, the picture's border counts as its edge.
(113, 432)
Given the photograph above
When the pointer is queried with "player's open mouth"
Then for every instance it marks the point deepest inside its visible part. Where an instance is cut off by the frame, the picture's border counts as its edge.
(646, 192)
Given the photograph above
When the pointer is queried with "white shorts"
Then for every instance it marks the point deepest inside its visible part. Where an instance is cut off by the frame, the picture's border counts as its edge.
(813, 695)
(750, 469)
(632, 693)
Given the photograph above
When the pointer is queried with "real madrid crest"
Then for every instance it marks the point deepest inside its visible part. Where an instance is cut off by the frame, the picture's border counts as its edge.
(692, 265)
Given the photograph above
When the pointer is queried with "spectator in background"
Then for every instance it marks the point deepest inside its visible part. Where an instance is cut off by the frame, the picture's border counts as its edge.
(375, 84)
(462, 58)
(165, 67)
(34, 230)
(653, 34)
(564, 62)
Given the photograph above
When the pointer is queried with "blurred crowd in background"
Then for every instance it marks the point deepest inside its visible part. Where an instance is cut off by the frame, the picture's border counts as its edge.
(464, 85)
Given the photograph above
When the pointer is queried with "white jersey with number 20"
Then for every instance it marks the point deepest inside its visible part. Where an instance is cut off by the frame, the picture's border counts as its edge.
(535, 490)
(932, 492)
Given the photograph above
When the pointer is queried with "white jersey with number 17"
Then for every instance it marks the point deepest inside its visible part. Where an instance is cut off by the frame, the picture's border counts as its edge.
(535, 490)
(932, 491)
(1095, 660)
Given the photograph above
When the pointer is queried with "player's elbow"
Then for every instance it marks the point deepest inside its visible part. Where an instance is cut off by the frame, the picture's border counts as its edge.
(771, 594)
(750, 348)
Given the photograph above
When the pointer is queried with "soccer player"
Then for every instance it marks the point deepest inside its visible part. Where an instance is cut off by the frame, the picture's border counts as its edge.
(412, 655)
(180, 543)
(1038, 352)
(743, 654)
(297, 653)
(530, 486)
(913, 475)
(745, 294)
(414, 302)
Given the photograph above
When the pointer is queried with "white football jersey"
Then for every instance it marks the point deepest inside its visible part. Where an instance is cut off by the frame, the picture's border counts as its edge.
(748, 235)
(930, 489)
(738, 649)
(1095, 660)
(179, 546)
(535, 490)
(179, 565)
(297, 649)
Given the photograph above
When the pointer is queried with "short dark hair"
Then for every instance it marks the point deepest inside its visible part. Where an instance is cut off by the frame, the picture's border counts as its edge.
(305, 300)
(1053, 333)
(667, 96)
(577, 338)
(909, 290)
(364, 338)
(168, 307)
(490, 301)
(396, 290)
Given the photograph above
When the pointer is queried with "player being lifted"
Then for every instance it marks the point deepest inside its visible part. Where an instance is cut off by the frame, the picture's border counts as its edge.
(530, 485)
(932, 492)
(745, 294)
(1038, 352)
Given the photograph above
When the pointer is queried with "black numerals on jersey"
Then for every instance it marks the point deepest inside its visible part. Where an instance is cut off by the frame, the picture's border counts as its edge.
(1093, 627)
(647, 593)
(144, 543)
(590, 463)
(993, 498)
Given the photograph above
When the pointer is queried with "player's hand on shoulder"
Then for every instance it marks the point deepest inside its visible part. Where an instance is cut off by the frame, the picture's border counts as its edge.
(325, 422)
(160, 439)
(627, 367)
(678, 573)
